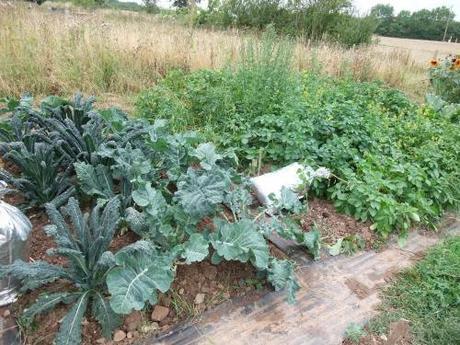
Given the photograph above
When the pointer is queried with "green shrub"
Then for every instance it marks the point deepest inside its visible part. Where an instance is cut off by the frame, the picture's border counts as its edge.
(333, 20)
(228, 105)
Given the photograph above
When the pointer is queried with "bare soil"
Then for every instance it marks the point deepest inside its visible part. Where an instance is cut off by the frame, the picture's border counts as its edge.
(334, 225)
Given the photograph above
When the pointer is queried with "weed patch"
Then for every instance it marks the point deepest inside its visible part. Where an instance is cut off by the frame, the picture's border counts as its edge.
(428, 296)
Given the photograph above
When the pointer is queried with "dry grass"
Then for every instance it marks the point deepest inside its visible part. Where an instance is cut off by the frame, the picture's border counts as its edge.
(421, 50)
(116, 54)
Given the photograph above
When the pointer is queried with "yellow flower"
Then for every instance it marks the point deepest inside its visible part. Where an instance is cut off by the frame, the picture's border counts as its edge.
(457, 63)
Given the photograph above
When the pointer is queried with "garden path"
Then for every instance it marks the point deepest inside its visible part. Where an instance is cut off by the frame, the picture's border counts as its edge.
(334, 292)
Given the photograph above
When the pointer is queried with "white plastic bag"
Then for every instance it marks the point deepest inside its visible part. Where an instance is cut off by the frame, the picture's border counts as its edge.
(291, 176)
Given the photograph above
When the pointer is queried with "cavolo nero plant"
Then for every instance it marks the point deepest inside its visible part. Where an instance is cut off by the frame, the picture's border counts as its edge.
(41, 180)
(84, 244)
(44, 142)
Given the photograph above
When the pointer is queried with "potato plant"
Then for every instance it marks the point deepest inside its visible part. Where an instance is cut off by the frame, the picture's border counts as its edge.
(395, 163)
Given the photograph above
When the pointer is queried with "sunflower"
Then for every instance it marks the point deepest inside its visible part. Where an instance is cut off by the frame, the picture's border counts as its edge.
(457, 63)
(434, 62)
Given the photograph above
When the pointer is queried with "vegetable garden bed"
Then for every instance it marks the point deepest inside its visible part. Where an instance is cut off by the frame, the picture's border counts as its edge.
(134, 212)
(218, 283)
(141, 210)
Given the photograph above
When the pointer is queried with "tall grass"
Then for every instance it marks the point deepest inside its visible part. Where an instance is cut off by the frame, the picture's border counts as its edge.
(115, 54)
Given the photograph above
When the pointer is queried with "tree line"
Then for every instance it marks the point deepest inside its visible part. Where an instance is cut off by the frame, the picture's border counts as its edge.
(437, 24)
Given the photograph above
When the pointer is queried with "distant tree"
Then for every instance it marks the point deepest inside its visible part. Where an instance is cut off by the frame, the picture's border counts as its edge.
(39, 2)
(150, 5)
(381, 11)
(183, 3)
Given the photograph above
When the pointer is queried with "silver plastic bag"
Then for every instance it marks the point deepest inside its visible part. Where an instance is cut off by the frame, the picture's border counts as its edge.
(15, 227)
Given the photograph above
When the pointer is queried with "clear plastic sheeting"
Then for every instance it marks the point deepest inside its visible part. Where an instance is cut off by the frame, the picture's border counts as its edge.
(14, 230)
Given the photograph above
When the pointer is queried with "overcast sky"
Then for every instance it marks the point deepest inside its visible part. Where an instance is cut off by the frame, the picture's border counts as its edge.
(364, 5)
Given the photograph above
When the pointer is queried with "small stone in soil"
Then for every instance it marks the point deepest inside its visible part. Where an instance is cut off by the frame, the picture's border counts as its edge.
(133, 321)
(165, 300)
(159, 313)
(199, 298)
(129, 335)
(6, 313)
(181, 291)
(149, 327)
(119, 335)
(101, 341)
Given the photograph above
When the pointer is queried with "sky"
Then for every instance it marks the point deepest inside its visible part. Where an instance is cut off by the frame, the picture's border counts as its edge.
(364, 6)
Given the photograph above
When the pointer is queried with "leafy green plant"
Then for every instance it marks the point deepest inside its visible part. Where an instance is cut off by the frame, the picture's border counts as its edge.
(84, 244)
(40, 179)
(347, 245)
(175, 184)
(44, 143)
(73, 128)
(354, 333)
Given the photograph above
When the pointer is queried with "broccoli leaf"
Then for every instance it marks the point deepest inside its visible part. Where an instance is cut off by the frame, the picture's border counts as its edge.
(137, 221)
(240, 241)
(150, 199)
(281, 275)
(199, 193)
(195, 249)
(312, 240)
(141, 271)
(95, 180)
(207, 155)
(289, 201)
